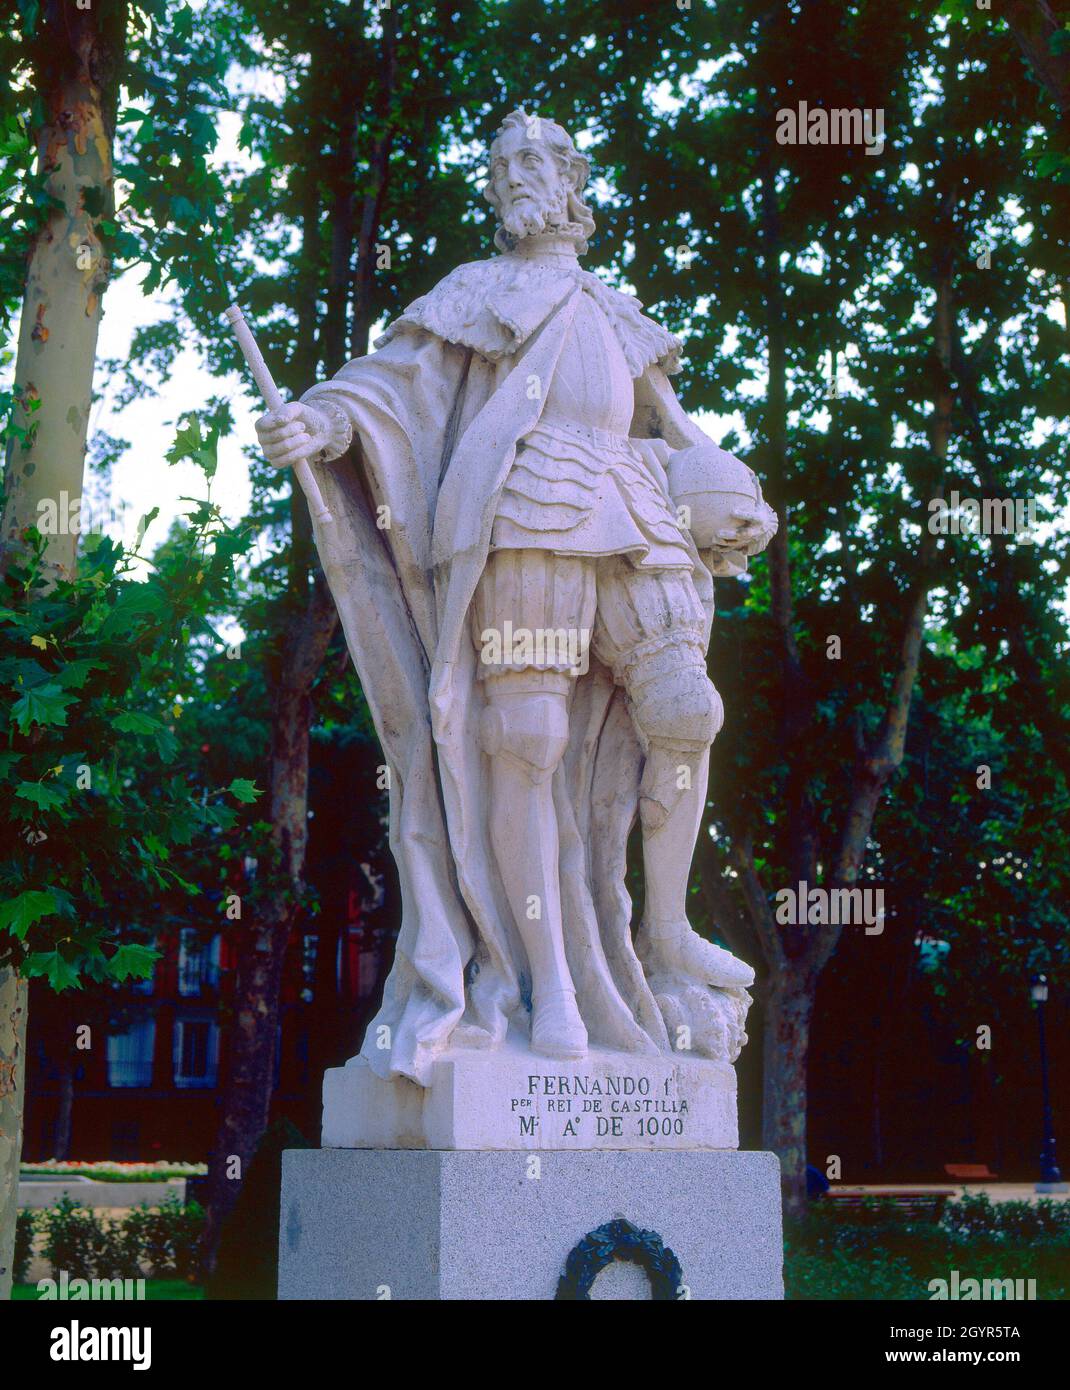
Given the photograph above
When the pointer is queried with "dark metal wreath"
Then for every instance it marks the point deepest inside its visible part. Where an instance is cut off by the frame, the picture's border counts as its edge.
(620, 1240)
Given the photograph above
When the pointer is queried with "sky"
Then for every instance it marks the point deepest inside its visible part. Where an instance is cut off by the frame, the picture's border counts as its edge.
(142, 478)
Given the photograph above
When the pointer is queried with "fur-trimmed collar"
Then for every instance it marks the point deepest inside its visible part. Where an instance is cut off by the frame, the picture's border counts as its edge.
(494, 306)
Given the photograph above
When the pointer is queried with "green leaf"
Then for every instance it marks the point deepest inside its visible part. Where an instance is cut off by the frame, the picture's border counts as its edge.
(45, 798)
(145, 522)
(19, 914)
(190, 443)
(166, 744)
(132, 722)
(243, 790)
(136, 603)
(76, 673)
(44, 704)
(59, 973)
(132, 961)
(24, 674)
(183, 211)
(1051, 162)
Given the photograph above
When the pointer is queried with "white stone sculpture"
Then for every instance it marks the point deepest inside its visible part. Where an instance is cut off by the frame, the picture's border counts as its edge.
(525, 526)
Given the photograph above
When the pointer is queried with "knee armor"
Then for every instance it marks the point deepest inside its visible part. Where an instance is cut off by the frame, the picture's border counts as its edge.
(529, 729)
(678, 709)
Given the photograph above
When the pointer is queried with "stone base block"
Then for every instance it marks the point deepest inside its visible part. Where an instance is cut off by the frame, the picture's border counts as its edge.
(512, 1099)
(376, 1224)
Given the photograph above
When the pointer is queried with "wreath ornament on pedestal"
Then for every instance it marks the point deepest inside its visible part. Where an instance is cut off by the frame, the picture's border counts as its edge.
(620, 1240)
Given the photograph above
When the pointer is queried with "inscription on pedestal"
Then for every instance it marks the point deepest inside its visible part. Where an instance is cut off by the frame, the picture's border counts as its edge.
(600, 1107)
(509, 1099)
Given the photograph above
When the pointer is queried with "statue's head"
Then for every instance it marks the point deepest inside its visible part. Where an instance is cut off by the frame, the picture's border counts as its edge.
(536, 177)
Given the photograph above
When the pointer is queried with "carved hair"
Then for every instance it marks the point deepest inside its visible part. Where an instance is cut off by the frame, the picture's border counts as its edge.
(575, 166)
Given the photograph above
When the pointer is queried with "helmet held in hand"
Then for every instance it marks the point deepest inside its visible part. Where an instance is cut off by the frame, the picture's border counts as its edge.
(720, 492)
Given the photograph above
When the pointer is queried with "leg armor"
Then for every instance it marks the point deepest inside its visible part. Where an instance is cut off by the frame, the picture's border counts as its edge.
(651, 632)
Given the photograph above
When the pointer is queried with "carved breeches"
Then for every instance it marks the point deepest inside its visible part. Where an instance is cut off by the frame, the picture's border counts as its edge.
(536, 614)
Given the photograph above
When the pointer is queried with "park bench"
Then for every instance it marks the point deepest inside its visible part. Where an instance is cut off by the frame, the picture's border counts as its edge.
(970, 1172)
(921, 1205)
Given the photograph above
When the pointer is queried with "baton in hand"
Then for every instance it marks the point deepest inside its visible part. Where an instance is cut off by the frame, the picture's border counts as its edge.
(274, 401)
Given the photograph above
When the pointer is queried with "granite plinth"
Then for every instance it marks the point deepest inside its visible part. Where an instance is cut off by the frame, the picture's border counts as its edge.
(403, 1224)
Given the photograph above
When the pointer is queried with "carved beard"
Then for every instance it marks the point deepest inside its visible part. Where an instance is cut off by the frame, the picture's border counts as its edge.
(536, 215)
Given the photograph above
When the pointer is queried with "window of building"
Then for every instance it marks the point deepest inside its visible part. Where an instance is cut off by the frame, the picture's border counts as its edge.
(196, 1052)
(198, 962)
(130, 1054)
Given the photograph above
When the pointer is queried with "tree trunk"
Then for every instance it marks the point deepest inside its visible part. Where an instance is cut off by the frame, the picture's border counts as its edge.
(77, 54)
(794, 959)
(792, 975)
(77, 57)
(13, 994)
(255, 1007)
(789, 1005)
(61, 1146)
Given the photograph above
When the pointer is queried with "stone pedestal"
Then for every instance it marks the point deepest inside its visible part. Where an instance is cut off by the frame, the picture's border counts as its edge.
(403, 1224)
(512, 1099)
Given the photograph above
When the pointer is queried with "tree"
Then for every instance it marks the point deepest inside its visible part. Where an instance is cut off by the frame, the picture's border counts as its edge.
(807, 263)
(72, 646)
(75, 57)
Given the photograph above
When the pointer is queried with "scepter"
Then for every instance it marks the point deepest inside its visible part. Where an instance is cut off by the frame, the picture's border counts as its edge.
(273, 400)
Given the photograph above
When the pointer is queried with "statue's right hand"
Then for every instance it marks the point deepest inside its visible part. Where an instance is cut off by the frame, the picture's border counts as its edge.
(297, 431)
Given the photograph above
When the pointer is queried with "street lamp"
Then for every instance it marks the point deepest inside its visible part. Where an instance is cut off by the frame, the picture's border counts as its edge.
(1051, 1180)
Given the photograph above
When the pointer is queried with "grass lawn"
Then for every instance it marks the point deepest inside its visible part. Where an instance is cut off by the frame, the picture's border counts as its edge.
(156, 1290)
(837, 1256)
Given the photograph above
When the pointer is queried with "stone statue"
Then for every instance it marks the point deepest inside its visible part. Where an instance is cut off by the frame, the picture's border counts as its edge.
(525, 529)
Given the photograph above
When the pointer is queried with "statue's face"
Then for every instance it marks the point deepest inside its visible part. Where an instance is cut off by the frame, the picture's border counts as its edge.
(531, 190)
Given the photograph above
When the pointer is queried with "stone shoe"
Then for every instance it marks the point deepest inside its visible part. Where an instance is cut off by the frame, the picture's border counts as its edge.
(556, 1027)
(681, 951)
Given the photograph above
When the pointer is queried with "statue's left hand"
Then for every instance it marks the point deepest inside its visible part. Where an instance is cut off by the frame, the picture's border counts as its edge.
(751, 533)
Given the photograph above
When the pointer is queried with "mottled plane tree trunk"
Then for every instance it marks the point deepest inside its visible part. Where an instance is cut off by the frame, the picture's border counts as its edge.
(12, 1089)
(76, 58)
(76, 55)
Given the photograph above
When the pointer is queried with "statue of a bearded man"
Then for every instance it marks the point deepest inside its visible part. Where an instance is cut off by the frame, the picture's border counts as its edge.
(526, 526)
